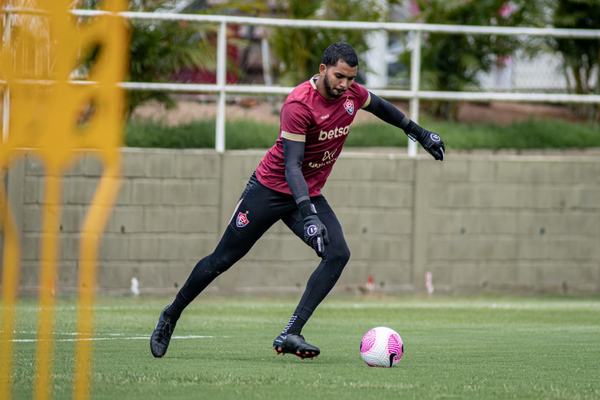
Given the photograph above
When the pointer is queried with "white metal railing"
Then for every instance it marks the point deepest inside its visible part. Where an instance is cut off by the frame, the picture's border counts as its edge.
(414, 94)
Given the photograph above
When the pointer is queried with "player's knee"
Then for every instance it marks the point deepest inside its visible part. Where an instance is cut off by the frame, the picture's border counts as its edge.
(338, 256)
(345, 255)
(336, 261)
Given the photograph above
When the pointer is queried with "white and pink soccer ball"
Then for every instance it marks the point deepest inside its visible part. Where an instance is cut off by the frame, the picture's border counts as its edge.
(381, 347)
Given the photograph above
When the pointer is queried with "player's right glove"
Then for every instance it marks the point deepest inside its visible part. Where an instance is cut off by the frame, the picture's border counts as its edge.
(315, 234)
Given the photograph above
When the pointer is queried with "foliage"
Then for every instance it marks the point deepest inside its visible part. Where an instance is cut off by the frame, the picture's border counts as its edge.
(299, 51)
(161, 48)
(453, 62)
(529, 134)
(241, 134)
(580, 57)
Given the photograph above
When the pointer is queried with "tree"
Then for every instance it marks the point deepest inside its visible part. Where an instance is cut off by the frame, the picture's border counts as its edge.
(453, 62)
(159, 49)
(299, 50)
(580, 57)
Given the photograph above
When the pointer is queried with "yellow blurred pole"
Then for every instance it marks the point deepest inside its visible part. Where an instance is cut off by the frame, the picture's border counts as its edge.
(11, 256)
(94, 225)
(47, 283)
(10, 282)
(43, 121)
(6, 37)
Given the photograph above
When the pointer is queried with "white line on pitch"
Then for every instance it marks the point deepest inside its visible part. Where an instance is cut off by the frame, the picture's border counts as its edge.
(112, 338)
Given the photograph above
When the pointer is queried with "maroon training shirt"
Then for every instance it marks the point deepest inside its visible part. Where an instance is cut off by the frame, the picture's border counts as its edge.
(323, 125)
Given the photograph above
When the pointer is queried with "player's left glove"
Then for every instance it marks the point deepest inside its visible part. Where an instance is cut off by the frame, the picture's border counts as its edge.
(315, 233)
(431, 142)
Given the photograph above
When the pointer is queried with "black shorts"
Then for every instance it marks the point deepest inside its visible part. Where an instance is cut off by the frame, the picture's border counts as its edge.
(260, 207)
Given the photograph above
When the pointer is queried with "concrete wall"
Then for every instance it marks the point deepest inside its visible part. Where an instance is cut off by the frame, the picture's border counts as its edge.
(476, 223)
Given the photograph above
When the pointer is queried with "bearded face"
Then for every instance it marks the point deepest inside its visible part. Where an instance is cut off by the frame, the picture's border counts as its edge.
(334, 93)
(337, 79)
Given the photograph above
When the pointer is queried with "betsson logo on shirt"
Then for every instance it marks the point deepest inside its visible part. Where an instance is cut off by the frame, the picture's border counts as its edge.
(334, 133)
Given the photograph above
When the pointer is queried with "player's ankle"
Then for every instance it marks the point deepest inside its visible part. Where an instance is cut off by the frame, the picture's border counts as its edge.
(171, 314)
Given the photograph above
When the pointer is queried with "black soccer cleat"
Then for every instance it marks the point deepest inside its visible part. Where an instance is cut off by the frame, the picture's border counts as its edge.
(295, 344)
(159, 341)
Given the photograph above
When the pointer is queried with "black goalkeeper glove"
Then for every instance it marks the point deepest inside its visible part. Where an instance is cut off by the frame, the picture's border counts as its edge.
(315, 234)
(430, 141)
(433, 144)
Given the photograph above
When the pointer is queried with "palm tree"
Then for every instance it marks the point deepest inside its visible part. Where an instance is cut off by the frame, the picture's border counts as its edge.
(299, 50)
(159, 49)
(453, 62)
(580, 57)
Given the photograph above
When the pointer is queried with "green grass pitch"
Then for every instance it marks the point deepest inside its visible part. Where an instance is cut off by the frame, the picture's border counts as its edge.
(455, 347)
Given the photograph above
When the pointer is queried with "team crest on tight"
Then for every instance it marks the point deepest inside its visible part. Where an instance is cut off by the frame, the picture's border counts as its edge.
(241, 220)
(349, 106)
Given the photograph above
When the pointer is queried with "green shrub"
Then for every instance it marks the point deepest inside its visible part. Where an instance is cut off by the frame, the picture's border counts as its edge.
(530, 134)
(244, 134)
(198, 134)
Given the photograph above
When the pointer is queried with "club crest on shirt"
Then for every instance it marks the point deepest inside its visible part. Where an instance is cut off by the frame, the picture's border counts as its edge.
(241, 220)
(349, 106)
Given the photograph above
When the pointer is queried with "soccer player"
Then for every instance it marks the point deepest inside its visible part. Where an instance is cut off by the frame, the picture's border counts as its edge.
(286, 185)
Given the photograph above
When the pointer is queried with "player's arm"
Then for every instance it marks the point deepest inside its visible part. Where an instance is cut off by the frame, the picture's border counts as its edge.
(387, 112)
(315, 232)
(293, 154)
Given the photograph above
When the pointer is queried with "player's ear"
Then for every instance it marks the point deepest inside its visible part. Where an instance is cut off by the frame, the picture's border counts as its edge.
(322, 69)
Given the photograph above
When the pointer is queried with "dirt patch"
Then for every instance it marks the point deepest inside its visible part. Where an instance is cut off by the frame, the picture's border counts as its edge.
(502, 114)
(498, 113)
(189, 110)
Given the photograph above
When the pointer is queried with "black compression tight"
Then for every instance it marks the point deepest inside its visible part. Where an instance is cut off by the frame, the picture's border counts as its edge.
(230, 249)
(263, 208)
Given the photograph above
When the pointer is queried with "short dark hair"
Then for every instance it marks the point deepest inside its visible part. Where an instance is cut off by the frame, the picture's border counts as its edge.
(340, 51)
